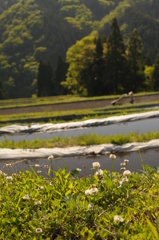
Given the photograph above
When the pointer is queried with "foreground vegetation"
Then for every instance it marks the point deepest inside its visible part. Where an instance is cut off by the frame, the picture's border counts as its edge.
(106, 205)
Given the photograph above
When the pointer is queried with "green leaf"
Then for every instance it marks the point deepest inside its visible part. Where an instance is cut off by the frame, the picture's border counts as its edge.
(152, 228)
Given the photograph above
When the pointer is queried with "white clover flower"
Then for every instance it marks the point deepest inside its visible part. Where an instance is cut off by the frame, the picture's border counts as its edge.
(78, 169)
(46, 166)
(112, 156)
(118, 219)
(126, 173)
(123, 164)
(50, 157)
(123, 168)
(26, 197)
(126, 160)
(91, 191)
(124, 180)
(87, 192)
(38, 203)
(38, 230)
(2, 173)
(8, 165)
(99, 172)
(90, 206)
(9, 178)
(36, 165)
(103, 181)
(94, 190)
(96, 165)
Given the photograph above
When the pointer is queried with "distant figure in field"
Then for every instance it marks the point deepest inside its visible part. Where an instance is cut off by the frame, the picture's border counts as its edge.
(131, 97)
(117, 101)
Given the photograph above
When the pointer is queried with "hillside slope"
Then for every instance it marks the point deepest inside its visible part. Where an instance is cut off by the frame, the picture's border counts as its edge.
(32, 30)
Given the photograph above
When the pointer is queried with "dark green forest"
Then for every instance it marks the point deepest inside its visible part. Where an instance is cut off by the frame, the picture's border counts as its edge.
(46, 43)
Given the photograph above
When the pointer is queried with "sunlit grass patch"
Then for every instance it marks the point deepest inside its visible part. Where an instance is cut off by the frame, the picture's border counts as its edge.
(82, 140)
(105, 205)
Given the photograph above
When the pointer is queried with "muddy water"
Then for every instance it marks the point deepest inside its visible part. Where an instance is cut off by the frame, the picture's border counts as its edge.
(141, 126)
(150, 158)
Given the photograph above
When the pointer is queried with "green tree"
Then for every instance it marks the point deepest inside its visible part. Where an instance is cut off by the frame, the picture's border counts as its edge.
(60, 75)
(98, 68)
(92, 72)
(2, 91)
(80, 61)
(136, 63)
(155, 75)
(45, 80)
(115, 68)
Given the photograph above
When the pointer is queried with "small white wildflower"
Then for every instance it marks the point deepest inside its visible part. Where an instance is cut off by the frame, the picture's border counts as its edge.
(103, 181)
(36, 165)
(123, 164)
(26, 197)
(38, 203)
(14, 174)
(124, 180)
(126, 160)
(2, 173)
(91, 191)
(112, 156)
(78, 169)
(94, 190)
(123, 168)
(46, 166)
(126, 173)
(40, 188)
(50, 157)
(99, 172)
(96, 165)
(38, 230)
(39, 171)
(90, 206)
(8, 165)
(118, 219)
(9, 178)
(87, 192)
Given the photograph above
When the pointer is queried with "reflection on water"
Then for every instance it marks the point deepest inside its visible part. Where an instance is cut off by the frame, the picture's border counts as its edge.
(150, 157)
(141, 126)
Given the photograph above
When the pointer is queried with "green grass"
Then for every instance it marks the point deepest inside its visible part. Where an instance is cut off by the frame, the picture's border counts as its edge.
(35, 207)
(74, 115)
(26, 102)
(82, 140)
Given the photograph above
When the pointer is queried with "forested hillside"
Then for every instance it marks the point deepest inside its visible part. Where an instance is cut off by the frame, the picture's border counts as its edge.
(34, 30)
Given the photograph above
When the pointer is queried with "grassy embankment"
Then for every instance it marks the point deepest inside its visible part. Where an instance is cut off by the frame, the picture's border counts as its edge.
(106, 205)
(82, 140)
(69, 115)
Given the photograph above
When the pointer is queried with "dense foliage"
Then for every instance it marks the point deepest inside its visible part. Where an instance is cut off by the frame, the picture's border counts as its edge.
(35, 30)
(106, 205)
(100, 66)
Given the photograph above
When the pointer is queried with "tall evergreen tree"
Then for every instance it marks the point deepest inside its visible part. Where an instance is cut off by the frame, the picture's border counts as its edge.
(136, 62)
(92, 73)
(45, 79)
(156, 73)
(98, 68)
(2, 91)
(115, 70)
(60, 75)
